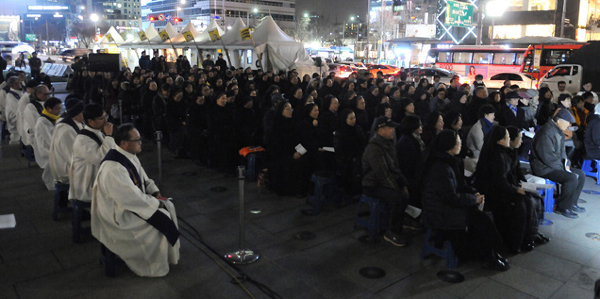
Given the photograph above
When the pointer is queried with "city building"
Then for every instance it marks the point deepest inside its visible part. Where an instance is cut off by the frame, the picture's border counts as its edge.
(201, 12)
(121, 14)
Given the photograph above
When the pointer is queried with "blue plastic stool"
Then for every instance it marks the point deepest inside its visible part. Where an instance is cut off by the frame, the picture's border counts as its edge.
(110, 260)
(549, 197)
(78, 210)
(254, 165)
(586, 167)
(27, 151)
(325, 186)
(58, 189)
(446, 252)
(375, 223)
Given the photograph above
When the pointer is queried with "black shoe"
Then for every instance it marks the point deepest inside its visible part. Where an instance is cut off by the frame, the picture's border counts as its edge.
(567, 213)
(578, 209)
(541, 239)
(501, 258)
(527, 247)
(495, 264)
(395, 239)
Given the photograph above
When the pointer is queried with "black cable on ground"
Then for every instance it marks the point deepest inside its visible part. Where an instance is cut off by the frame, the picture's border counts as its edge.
(262, 287)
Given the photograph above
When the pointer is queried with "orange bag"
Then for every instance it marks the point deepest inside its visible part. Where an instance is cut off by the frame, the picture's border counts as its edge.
(251, 149)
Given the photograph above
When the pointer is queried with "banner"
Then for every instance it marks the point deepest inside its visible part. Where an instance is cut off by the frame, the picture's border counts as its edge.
(164, 35)
(214, 35)
(188, 36)
(245, 33)
(142, 35)
(109, 38)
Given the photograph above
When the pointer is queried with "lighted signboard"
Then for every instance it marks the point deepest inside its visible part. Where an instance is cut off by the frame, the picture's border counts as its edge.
(459, 14)
(44, 7)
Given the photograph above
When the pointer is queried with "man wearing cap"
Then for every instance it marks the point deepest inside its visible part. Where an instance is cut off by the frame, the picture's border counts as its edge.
(35, 64)
(548, 159)
(89, 148)
(12, 107)
(61, 147)
(383, 179)
(510, 114)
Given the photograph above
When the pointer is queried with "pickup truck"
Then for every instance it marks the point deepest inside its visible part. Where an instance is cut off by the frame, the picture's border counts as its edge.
(581, 67)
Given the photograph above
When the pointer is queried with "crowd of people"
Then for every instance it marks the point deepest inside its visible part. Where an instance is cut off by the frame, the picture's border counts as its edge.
(452, 151)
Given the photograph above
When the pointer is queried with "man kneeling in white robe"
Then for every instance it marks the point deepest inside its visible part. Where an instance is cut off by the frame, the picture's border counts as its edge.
(138, 227)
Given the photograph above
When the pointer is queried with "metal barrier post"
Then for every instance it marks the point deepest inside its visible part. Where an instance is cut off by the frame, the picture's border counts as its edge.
(158, 145)
(242, 256)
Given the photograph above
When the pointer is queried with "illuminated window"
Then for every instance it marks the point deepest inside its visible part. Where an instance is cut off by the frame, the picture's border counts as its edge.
(462, 57)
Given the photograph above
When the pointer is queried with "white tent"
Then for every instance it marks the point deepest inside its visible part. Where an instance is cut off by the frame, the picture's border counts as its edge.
(179, 37)
(114, 34)
(277, 50)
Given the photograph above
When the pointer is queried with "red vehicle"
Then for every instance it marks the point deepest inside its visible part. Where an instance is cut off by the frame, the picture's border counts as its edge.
(551, 55)
(388, 70)
(469, 61)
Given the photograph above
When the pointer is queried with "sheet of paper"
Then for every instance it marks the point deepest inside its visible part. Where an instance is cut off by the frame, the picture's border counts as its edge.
(8, 221)
(329, 149)
(300, 149)
(528, 134)
(468, 174)
(413, 211)
(532, 187)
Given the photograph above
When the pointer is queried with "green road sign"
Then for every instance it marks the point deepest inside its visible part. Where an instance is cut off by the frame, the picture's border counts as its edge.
(30, 37)
(459, 14)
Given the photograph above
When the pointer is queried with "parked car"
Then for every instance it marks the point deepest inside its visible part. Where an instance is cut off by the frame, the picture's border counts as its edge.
(497, 81)
(388, 71)
(358, 67)
(69, 54)
(340, 70)
(429, 72)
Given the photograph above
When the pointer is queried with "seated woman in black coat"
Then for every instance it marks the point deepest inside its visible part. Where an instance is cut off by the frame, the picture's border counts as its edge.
(221, 135)
(285, 163)
(505, 197)
(433, 126)
(533, 201)
(362, 117)
(409, 149)
(349, 144)
(451, 206)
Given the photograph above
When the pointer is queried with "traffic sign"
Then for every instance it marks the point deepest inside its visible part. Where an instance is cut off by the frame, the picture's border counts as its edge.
(459, 14)
(161, 17)
(30, 37)
(168, 17)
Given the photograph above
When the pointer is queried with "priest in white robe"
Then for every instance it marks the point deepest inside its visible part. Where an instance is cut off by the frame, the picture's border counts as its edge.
(32, 112)
(44, 128)
(12, 104)
(89, 148)
(23, 102)
(128, 214)
(61, 147)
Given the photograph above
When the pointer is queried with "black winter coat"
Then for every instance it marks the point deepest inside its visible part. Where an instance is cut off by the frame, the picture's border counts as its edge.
(445, 195)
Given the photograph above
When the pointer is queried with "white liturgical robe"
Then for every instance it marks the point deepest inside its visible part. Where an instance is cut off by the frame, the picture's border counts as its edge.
(85, 161)
(44, 128)
(12, 111)
(61, 150)
(119, 214)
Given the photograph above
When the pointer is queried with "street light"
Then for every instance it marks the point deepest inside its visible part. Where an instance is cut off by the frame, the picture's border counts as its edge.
(495, 9)
(94, 18)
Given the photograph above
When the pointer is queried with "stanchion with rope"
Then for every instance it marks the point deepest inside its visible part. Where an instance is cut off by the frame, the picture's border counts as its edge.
(243, 255)
(158, 145)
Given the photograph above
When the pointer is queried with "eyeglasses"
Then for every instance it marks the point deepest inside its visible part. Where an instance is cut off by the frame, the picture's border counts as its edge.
(135, 140)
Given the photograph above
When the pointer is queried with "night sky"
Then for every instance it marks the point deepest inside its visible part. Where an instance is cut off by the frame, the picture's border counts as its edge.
(330, 9)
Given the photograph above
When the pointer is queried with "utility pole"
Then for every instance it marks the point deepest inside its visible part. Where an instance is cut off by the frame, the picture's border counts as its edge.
(562, 18)
(368, 19)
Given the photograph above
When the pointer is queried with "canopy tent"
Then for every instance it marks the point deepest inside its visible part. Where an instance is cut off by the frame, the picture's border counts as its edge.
(279, 51)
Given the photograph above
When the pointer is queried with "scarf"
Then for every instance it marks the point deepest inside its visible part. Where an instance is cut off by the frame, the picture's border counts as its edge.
(50, 115)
